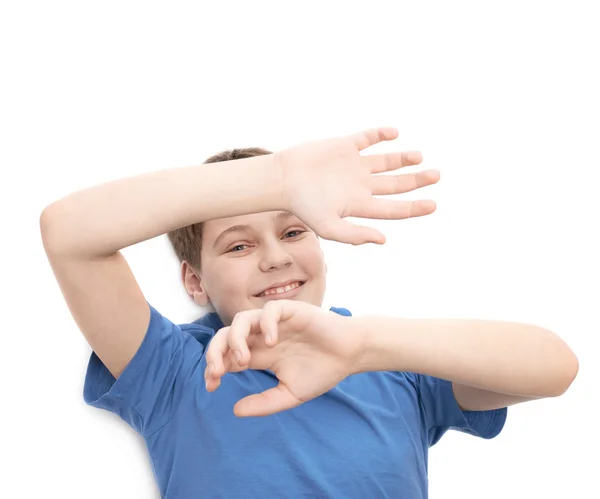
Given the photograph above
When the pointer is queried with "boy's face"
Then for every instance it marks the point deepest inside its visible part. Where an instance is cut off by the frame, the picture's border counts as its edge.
(245, 255)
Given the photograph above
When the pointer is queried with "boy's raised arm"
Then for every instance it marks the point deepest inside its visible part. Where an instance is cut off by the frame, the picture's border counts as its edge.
(101, 220)
(83, 233)
(320, 182)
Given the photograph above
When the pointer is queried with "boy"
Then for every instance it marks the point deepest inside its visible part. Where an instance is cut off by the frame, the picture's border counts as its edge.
(379, 391)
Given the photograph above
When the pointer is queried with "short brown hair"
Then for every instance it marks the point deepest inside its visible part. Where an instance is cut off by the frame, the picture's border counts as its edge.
(187, 241)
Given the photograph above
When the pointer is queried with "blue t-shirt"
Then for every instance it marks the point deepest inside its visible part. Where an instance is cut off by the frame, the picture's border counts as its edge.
(366, 438)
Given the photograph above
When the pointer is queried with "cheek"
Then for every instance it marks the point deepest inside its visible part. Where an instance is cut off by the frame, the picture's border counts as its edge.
(314, 262)
(233, 277)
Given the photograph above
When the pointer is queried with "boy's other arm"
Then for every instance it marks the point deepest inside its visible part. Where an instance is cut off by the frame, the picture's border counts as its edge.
(491, 364)
(84, 232)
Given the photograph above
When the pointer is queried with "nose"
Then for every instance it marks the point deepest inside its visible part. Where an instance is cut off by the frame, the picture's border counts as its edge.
(274, 256)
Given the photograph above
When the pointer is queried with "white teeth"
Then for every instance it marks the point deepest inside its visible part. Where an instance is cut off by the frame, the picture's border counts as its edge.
(277, 291)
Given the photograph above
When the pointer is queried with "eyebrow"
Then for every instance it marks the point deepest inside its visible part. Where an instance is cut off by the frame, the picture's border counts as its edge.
(282, 215)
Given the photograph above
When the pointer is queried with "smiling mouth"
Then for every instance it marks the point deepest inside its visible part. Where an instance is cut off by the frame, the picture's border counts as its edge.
(282, 290)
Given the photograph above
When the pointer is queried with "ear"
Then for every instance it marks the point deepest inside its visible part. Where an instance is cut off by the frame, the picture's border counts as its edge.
(192, 282)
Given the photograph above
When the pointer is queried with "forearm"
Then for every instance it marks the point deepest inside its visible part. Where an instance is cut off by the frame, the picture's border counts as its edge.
(504, 357)
(103, 219)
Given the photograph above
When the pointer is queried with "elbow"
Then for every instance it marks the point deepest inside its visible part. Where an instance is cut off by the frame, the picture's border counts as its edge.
(47, 223)
(567, 372)
(52, 225)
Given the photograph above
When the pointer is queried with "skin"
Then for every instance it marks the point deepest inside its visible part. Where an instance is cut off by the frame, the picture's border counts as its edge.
(322, 182)
(245, 262)
(491, 364)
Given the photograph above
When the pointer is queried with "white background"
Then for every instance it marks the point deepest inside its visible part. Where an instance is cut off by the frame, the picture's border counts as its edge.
(502, 98)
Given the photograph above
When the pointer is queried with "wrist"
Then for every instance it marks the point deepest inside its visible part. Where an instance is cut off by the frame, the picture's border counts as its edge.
(260, 183)
(385, 345)
(362, 333)
(276, 171)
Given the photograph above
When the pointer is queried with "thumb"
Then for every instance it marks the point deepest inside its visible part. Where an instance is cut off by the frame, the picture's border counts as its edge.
(346, 232)
(270, 401)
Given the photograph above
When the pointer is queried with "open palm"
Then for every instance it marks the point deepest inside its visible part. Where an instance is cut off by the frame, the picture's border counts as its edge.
(328, 180)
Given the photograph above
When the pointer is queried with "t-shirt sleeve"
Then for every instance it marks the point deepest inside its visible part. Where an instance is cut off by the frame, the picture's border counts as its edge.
(442, 412)
(148, 392)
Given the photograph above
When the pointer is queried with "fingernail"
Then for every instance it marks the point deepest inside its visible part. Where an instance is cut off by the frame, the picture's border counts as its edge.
(269, 339)
(211, 368)
(238, 355)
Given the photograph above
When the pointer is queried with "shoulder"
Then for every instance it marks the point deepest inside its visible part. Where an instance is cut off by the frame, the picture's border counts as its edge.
(204, 328)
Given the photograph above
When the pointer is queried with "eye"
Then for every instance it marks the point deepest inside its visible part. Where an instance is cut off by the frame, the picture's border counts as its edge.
(294, 232)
